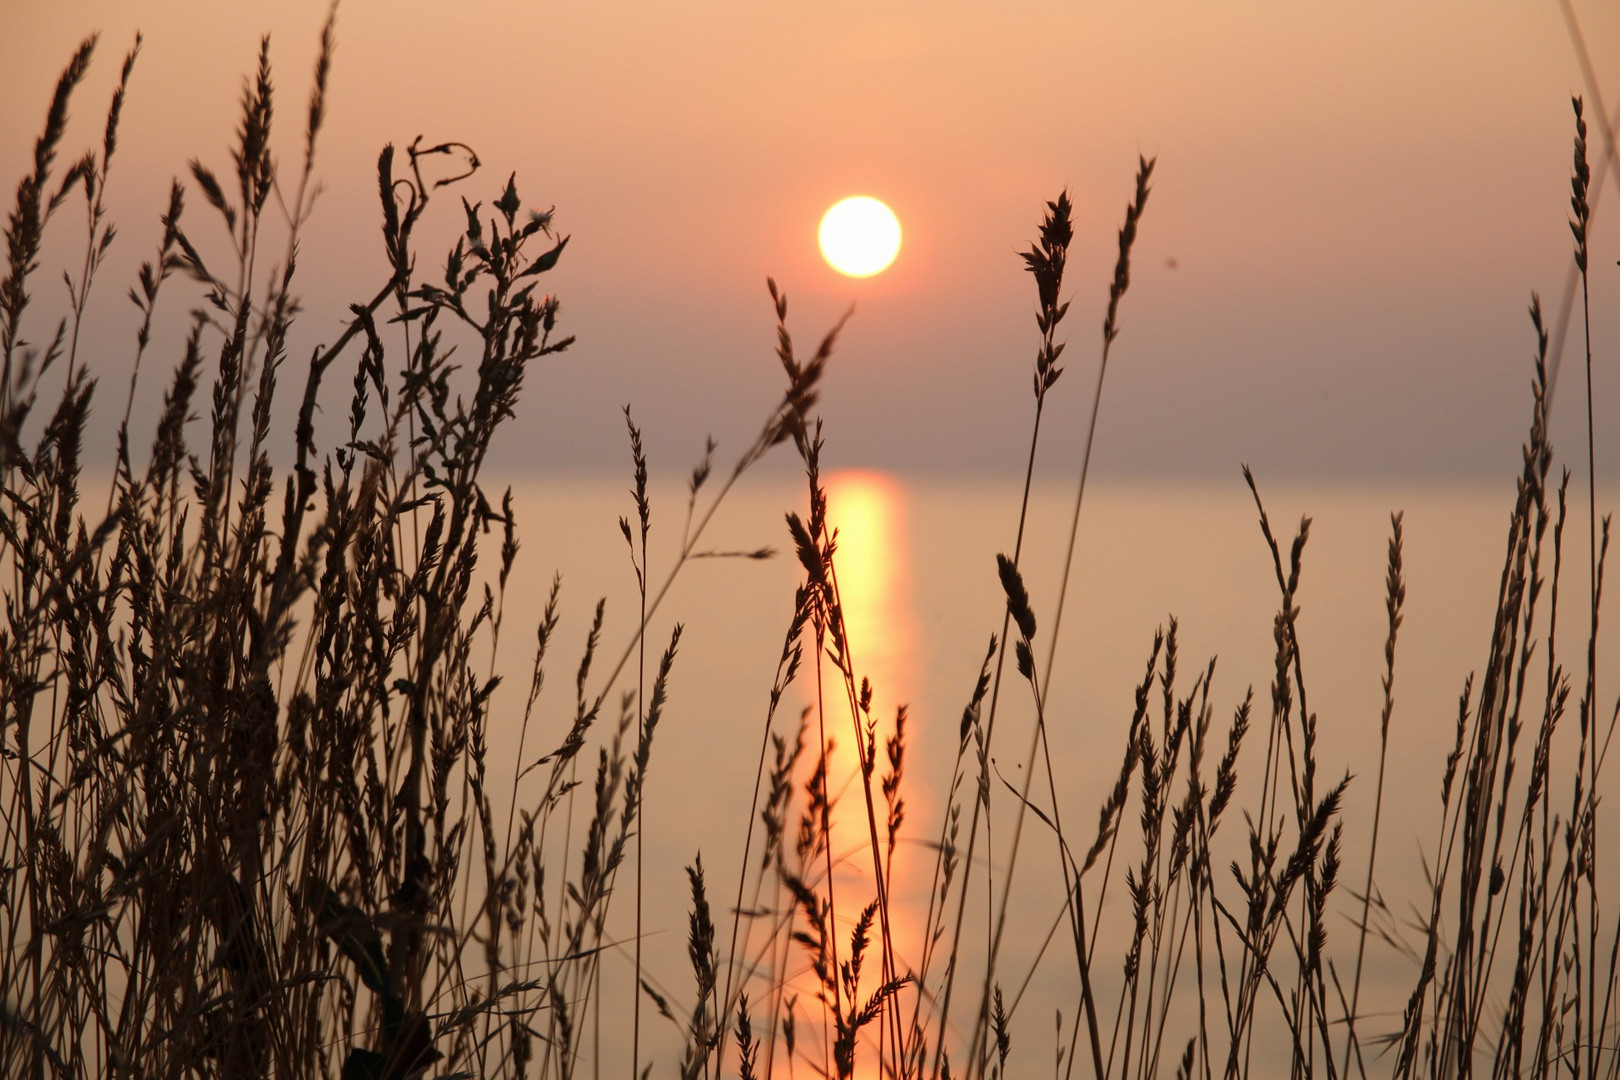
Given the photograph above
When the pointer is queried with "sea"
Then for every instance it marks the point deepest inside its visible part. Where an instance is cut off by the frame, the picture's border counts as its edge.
(917, 568)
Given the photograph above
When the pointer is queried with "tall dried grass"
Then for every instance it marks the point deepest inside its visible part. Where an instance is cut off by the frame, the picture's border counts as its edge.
(245, 790)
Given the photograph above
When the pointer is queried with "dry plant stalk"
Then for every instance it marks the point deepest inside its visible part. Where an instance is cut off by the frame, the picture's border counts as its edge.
(244, 787)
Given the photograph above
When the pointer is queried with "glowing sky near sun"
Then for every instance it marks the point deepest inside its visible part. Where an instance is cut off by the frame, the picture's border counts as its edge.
(1351, 207)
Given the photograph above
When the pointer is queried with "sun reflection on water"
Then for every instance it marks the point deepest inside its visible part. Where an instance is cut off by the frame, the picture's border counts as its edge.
(872, 570)
(873, 566)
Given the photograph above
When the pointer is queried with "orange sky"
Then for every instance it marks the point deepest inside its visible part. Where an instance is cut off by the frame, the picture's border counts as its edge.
(1357, 202)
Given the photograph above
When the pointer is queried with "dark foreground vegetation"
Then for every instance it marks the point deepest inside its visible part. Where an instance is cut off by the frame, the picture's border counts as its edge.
(246, 827)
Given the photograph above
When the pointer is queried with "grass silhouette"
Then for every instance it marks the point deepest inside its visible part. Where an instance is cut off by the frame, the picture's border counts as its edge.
(245, 787)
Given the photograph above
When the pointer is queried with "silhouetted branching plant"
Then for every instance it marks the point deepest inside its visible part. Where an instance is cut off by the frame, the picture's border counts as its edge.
(245, 716)
(248, 829)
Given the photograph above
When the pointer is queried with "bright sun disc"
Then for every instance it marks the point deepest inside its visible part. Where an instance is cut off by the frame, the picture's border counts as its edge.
(860, 236)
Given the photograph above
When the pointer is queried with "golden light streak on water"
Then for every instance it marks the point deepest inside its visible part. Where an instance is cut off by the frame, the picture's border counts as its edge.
(873, 565)
(872, 569)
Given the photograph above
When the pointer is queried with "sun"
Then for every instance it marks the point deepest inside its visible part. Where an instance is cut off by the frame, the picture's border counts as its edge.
(859, 236)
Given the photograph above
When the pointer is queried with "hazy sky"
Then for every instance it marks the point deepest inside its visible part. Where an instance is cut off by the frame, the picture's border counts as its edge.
(1351, 207)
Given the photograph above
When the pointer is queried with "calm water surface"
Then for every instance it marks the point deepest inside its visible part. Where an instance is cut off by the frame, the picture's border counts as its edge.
(916, 565)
